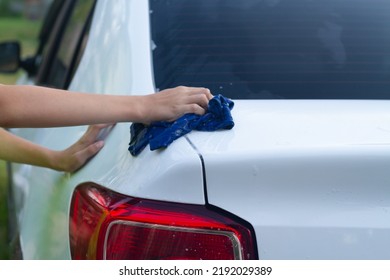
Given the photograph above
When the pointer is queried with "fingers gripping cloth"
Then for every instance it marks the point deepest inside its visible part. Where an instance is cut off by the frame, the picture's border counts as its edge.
(162, 134)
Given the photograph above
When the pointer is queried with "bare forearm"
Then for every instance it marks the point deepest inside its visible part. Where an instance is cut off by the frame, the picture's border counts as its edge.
(16, 149)
(32, 106)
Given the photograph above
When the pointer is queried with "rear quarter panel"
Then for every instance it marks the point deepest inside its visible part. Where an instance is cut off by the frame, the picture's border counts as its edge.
(116, 61)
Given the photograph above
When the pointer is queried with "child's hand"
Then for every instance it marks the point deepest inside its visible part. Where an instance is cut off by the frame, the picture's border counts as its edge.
(74, 157)
(171, 104)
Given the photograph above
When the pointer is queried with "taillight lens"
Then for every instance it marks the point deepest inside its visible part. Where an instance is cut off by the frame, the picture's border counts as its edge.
(109, 225)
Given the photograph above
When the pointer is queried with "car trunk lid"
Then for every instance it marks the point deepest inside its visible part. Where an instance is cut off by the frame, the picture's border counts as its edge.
(310, 176)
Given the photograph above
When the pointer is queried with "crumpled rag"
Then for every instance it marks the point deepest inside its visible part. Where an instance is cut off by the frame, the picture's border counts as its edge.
(162, 134)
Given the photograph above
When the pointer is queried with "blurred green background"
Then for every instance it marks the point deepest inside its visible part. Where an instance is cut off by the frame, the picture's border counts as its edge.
(20, 20)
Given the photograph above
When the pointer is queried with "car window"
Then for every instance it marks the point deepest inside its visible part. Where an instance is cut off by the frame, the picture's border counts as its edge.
(261, 49)
(48, 23)
(52, 29)
(71, 45)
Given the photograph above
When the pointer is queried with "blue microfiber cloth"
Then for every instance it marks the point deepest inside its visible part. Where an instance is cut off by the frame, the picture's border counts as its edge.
(161, 134)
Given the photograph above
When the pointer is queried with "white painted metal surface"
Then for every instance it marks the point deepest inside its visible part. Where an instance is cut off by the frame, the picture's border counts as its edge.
(312, 177)
(116, 61)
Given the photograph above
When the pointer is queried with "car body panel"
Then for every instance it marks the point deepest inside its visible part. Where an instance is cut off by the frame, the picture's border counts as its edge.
(310, 176)
(42, 196)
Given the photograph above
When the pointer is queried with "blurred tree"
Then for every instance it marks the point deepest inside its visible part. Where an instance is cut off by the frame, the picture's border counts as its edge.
(7, 8)
(31, 9)
(34, 9)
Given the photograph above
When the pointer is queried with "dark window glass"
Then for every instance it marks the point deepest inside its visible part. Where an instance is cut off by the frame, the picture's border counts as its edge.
(74, 36)
(294, 49)
(49, 22)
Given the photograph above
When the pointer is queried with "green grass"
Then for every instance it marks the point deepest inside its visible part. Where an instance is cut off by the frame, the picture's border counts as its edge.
(21, 30)
(4, 251)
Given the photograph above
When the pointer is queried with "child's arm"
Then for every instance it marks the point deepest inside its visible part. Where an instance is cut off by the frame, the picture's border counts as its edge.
(33, 106)
(16, 149)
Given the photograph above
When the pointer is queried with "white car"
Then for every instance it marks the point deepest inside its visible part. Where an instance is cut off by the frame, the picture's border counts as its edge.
(304, 173)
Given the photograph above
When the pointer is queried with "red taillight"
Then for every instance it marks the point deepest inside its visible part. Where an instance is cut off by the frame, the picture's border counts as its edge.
(108, 225)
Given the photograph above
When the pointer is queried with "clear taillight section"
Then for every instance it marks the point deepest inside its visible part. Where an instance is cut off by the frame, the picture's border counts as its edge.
(109, 225)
